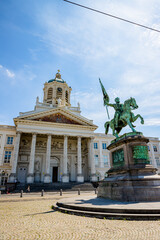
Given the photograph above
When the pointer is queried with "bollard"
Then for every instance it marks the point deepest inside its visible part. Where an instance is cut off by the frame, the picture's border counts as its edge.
(95, 190)
(79, 191)
(42, 193)
(21, 194)
(60, 192)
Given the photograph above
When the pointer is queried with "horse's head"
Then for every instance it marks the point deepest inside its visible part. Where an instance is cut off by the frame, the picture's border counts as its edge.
(133, 103)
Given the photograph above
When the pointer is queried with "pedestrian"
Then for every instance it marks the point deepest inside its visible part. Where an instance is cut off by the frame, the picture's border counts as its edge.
(28, 189)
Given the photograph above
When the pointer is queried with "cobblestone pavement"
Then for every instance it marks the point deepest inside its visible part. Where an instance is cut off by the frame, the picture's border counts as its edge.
(31, 217)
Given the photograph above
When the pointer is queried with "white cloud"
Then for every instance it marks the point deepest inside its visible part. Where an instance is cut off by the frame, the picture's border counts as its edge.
(7, 72)
(22, 75)
(152, 122)
(10, 74)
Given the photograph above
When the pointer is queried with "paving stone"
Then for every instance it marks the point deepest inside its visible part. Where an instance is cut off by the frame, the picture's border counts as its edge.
(34, 219)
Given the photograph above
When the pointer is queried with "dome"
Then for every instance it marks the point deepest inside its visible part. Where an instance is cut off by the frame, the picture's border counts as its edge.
(57, 78)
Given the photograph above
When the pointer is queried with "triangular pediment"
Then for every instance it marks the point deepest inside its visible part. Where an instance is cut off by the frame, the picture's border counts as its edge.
(58, 116)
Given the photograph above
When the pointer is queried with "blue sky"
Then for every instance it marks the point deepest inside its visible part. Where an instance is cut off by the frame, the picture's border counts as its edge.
(38, 37)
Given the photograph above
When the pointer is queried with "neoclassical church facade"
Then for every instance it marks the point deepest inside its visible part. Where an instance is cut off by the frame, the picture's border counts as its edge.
(55, 143)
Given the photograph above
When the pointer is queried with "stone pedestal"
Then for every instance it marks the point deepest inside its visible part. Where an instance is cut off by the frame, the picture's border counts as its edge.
(30, 178)
(93, 178)
(80, 178)
(12, 178)
(131, 176)
(37, 177)
(47, 178)
(65, 178)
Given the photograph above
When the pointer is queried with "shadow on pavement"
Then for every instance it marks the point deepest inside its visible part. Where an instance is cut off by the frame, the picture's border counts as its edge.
(39, 213)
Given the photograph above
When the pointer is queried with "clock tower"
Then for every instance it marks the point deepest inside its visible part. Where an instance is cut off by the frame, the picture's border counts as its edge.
(57, 92)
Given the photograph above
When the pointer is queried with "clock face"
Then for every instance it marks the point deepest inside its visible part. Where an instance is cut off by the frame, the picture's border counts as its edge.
(59, 89)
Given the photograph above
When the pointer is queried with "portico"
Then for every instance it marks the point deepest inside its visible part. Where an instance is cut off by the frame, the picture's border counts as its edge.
(48, 156)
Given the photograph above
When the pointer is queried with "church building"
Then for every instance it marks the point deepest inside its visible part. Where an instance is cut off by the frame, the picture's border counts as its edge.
(55, 143)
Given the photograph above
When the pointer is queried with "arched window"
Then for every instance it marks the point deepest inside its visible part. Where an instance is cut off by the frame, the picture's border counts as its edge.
(50, 92)
(59, 93)
(66, 96)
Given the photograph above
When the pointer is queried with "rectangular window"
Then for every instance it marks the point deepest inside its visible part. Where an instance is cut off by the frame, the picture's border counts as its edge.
(4, 178)
(157, 161)
(7, 156)
(104, 145)
(155, 148)
(95, 145)
(9, 140)
(105, 160)
(96, 160)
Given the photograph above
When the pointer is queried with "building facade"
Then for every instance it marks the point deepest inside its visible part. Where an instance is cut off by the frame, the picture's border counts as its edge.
(55, 143)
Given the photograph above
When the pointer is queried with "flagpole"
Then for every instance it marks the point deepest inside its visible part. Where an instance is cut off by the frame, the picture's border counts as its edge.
(105, 95)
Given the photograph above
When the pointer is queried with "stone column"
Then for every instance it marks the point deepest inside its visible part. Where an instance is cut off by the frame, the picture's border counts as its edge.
(92, 163)
(65, 176)
(101, 163)
(154, 163)
(47, 176)
(12, 176)
(30, 177)
(80, 177)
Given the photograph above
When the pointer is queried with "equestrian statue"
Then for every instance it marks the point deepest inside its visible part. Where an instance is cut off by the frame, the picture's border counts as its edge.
(123, 113)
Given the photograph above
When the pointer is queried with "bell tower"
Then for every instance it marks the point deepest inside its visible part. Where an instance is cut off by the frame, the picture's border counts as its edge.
(57, 92)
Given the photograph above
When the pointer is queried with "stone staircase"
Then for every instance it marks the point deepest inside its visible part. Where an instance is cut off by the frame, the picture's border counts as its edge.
(51, 187)
(106, 212)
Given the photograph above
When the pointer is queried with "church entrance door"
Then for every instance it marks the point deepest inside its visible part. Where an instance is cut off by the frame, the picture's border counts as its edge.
(55, 174)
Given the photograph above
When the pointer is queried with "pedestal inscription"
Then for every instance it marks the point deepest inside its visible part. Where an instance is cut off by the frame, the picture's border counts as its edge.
(118, 157)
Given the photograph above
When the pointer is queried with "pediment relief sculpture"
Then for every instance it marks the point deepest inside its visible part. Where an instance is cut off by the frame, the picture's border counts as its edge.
(57, 118)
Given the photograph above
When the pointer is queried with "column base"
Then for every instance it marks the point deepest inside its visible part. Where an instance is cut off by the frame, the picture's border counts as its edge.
(93, 178)
(47, 178)
(37, 177)
(30, 178)
(80, 178)
(65, 178)
(12, 178)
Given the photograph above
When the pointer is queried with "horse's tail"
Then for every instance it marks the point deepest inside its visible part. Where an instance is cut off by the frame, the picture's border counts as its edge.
(106, 125)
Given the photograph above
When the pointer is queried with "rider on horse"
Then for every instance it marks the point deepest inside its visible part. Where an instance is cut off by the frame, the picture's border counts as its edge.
(118, 109)
(123, 113)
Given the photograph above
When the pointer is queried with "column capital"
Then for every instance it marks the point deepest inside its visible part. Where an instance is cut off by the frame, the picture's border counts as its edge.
(79, 136)
(18, 132)
(49, 134)
(91, 138)
(34, 133)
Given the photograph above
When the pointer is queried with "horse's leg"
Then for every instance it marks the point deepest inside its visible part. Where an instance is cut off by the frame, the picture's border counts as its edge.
(106, 125)
(130, 125)
(112, 126)
(134, 118)
(116, 134)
